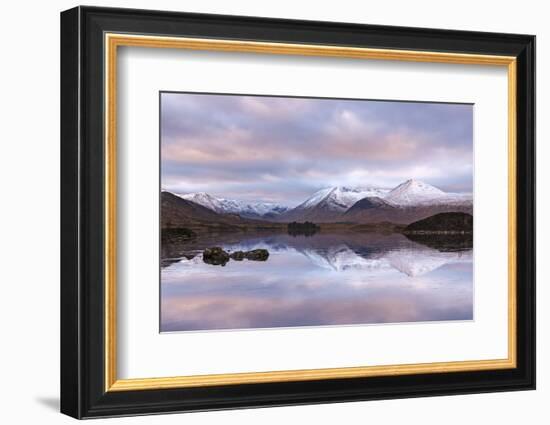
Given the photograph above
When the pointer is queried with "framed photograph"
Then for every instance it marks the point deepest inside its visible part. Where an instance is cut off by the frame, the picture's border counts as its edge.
(261, 212)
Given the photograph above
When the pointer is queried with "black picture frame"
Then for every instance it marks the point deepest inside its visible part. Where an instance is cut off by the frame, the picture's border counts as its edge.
(83, 392)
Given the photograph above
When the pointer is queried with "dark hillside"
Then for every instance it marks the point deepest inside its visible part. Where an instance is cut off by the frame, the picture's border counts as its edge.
(449, 222)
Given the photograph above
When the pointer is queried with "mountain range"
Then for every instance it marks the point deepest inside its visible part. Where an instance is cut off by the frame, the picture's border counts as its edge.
(409, 201)
(264, 210)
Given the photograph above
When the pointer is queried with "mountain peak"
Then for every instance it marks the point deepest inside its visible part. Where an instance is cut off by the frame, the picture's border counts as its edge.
(417, 183)
(412, 192)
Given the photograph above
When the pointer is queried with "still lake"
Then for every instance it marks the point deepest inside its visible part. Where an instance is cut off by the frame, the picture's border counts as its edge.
(318, 280)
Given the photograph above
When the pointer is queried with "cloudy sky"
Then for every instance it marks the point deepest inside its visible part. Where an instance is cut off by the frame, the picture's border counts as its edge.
(281, 149)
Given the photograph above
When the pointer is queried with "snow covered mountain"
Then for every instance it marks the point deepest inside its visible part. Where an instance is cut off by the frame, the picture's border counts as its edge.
(341, 198)
(232, 206)
(409, 193)
(410, 201)
(415, 193)
(205, 200)
(329, 204)
(407, 202)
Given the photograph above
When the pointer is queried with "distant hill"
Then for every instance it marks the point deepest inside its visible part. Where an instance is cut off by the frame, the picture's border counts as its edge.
(178, 212)
(181, 213)
(449, 222)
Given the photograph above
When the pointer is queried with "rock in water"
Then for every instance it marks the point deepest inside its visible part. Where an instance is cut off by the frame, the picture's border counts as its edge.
(215, 256)
(257, 255)
(238, 255)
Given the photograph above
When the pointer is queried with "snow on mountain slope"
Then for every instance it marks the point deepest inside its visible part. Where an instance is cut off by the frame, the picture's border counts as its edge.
(316, 198)
(233, 206)
(341, 198)
(408, 194)
(260, 208)
(413, 192)
(205, 200)
(417, 193)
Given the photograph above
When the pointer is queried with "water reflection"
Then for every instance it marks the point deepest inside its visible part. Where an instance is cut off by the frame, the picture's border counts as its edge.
(320, 279)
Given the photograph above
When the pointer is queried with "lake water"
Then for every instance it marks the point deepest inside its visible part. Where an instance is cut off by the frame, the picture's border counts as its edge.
(319, 280)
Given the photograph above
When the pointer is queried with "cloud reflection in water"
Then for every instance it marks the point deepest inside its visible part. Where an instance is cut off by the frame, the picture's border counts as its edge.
(318, 281)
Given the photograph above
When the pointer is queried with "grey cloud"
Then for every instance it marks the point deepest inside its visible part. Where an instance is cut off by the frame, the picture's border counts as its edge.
(285, 148)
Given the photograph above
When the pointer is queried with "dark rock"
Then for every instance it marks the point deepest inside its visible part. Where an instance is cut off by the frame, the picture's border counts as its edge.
(257, 255)
(237, 255)
(215, 256)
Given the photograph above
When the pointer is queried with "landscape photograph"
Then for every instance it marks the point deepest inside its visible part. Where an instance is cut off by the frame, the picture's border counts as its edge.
(281, 212)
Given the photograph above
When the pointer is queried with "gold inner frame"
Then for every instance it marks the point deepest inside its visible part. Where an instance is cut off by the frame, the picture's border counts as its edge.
(113, 41)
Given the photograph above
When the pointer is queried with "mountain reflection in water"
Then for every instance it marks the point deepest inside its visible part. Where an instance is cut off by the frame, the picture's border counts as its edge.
(323, 279)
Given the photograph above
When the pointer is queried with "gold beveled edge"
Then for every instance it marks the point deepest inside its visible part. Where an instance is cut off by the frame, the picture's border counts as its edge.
(303, 49)
(112, 41)
(307, 375)
(512, 212)
(110, 235)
